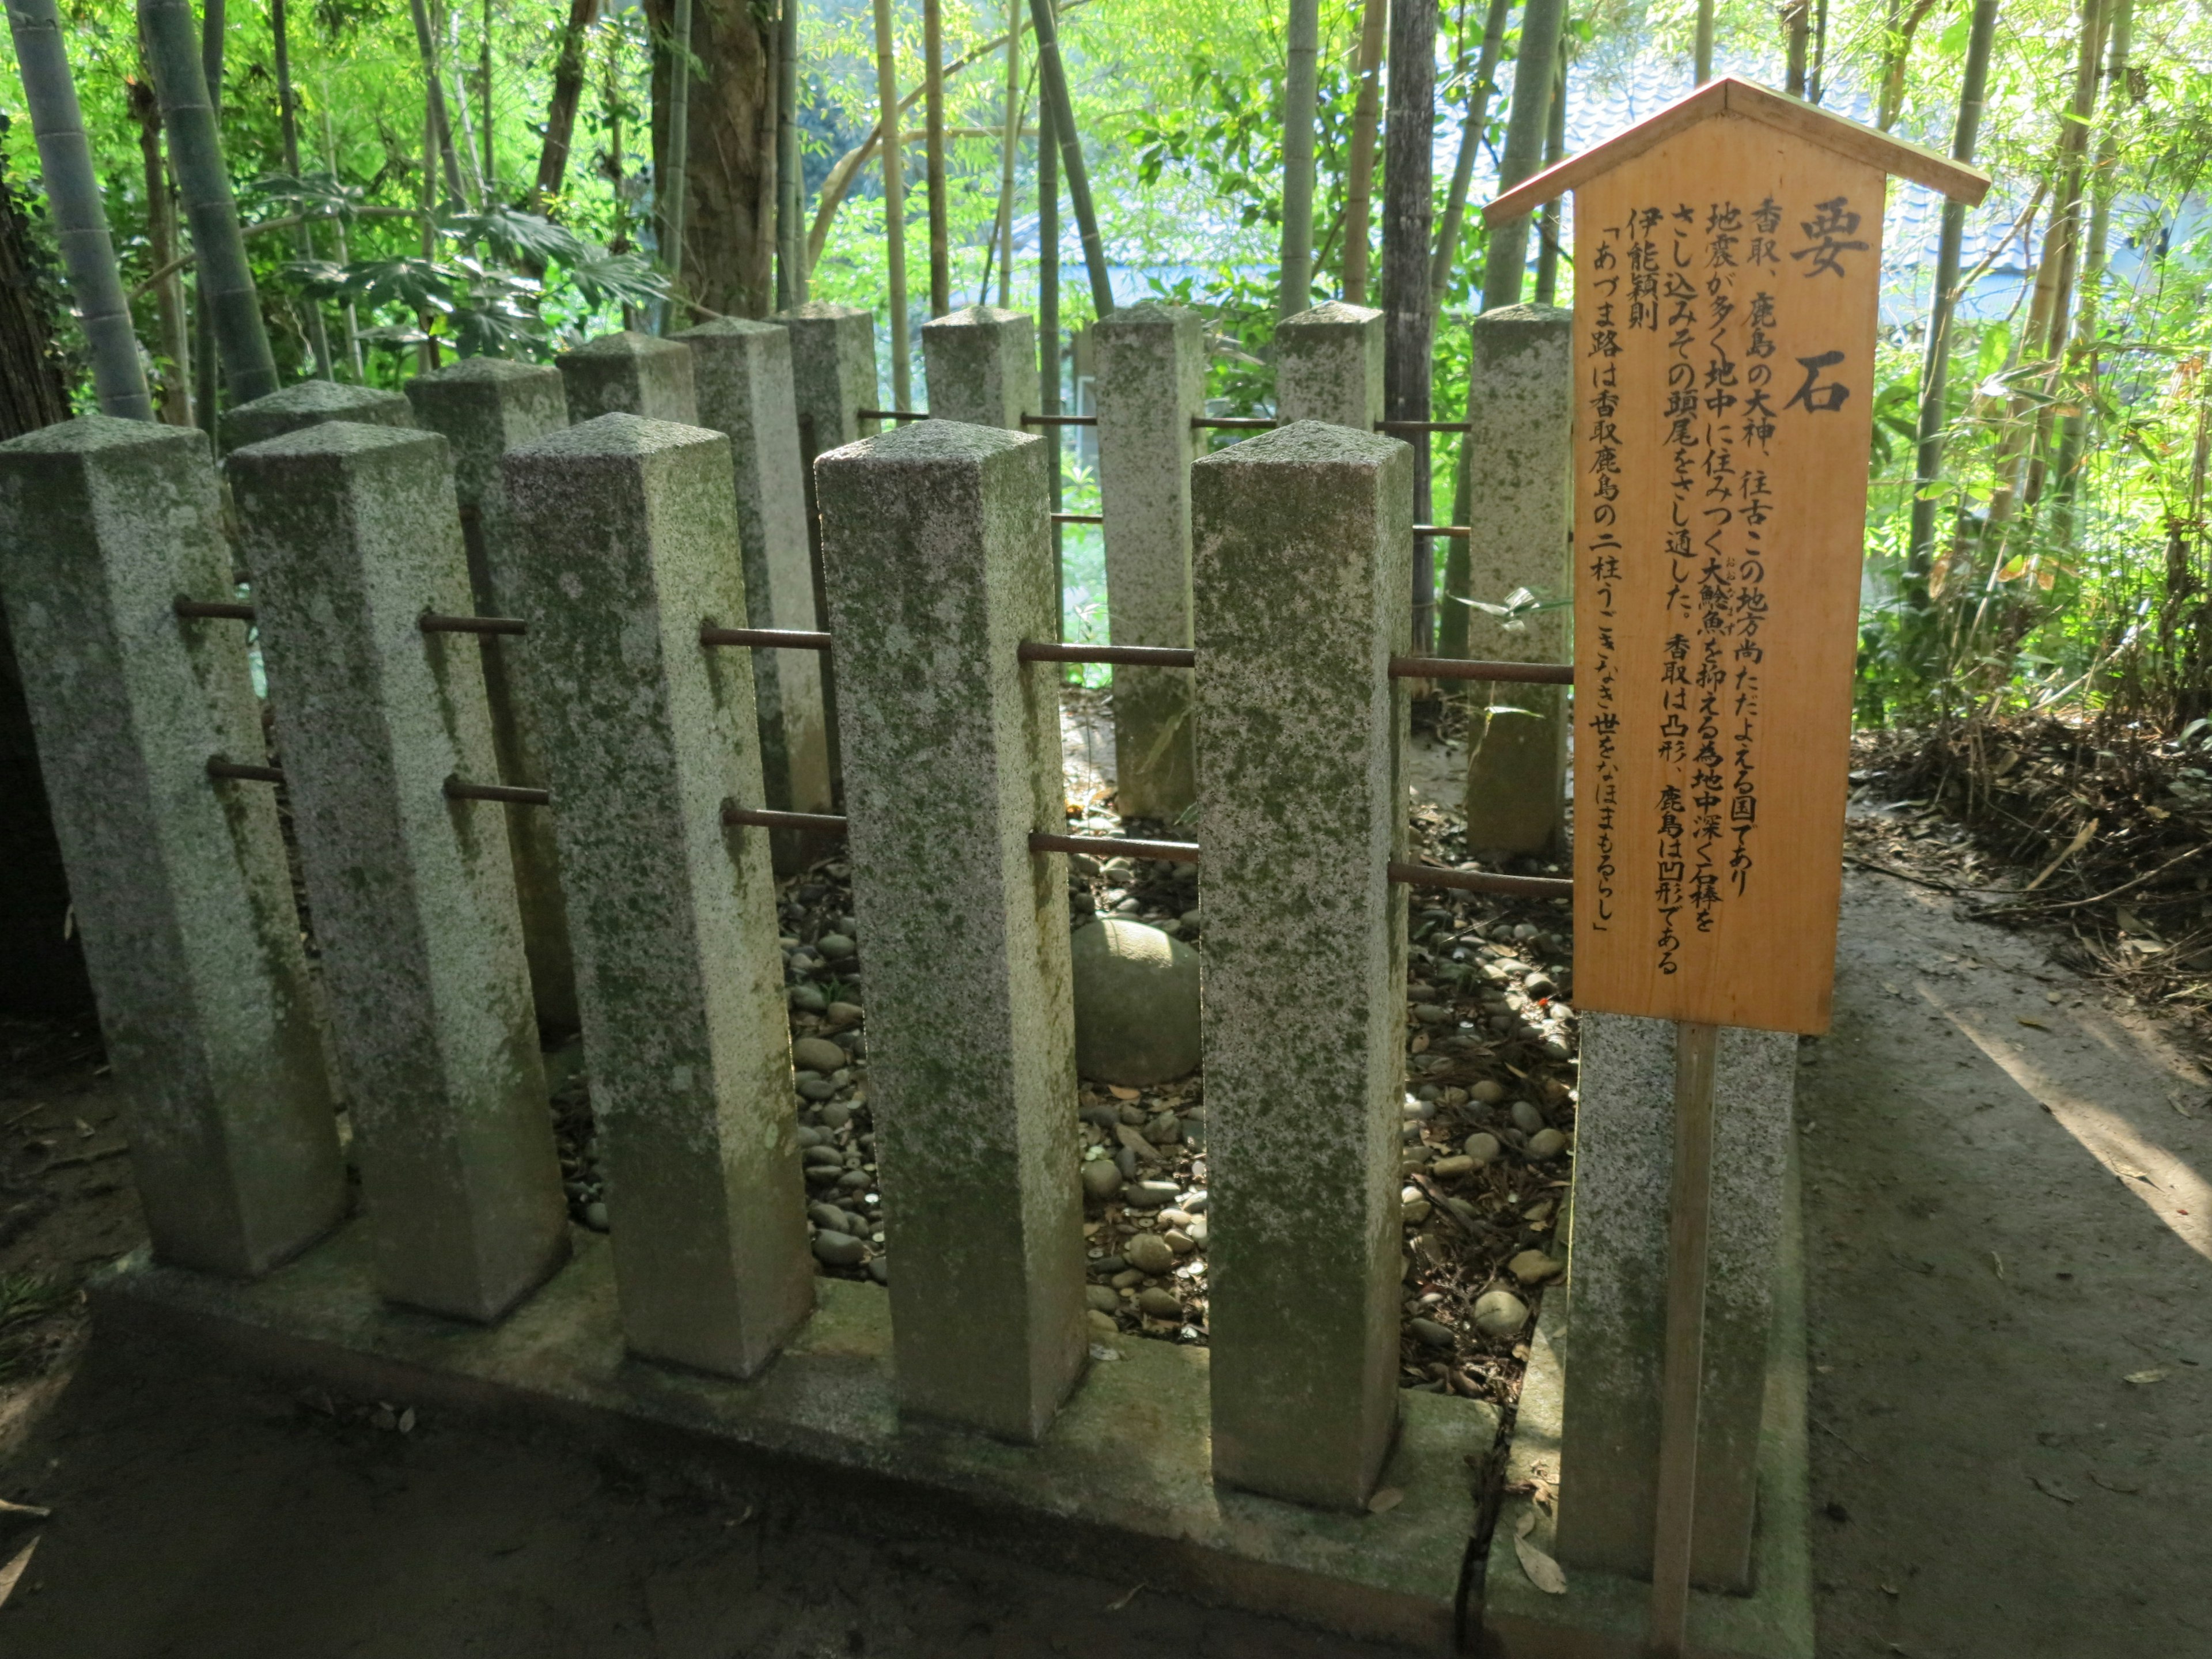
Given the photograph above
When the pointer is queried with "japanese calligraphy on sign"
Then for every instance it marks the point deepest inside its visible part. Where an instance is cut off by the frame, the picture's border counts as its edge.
(1727, 275)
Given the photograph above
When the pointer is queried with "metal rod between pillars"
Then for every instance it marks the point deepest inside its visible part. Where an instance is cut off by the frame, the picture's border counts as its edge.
(766, 639)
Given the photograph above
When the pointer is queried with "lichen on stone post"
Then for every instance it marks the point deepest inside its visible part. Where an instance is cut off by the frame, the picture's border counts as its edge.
(1519, 440)
(178, 879)
(310, 402)
(483, 407)
(742, 372)
(1301, 578)
(353, 533)
(681, 976)
(1617, 1306)
(1151, 383)
(1329, 366)
(937, 558)
(980, 364)
(630, 373)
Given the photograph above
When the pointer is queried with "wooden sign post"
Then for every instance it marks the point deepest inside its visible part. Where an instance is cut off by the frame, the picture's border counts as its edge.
(1727, 270)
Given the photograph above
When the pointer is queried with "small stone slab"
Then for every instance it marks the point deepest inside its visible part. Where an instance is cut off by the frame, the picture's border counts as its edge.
(630, 373)
(310, 402)
(981, 366)
(1329, 366)
(936, 551)
(634, 525)
(483, 407)
(353, 531)
(178, 879)
(1301, 583)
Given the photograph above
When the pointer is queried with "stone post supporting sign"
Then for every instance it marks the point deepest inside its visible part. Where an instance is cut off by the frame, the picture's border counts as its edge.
(178, 878)
(1329, 366)
(1624, 1146)
(1302, 585)
(743, 375)
(483, 407)
(633, 522)
(630, 373)
(833, 377)
(934, 543)
(1151, 383)
(1521, 417)
(353, 533)
(981, 366)
(310, 402)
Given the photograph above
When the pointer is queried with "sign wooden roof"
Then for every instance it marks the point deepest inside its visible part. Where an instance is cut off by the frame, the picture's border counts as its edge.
(1730, 95)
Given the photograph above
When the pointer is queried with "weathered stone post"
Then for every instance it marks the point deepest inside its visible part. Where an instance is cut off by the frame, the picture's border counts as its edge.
(483, 407)
(1521, 416)
(353, 533)
(1329, 366)
(1151, 383)
(1617, 1306)
(632, 522)
(833, 376)
(934, 539)
(178, 878)
(631, 373)
(310, 402)
(743, 375)
(981, 366)
(1301, 580)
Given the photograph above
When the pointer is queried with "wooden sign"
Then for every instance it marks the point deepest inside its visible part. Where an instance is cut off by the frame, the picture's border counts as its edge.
(1727, 256)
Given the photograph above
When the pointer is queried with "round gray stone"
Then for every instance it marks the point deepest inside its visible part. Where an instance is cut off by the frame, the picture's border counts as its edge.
(1500, 1313)
(1483, 1149)
(1149, 1195)
(813, 1054)
(1148, 1253)
(836, 946)
(1101, 1179)
(1159, 1304)
(838, 1249)
(807, 999)
(1102, 1298)
(1546, 1144)
(1136, 1004)
(1432, 1333)
(1526, 1118)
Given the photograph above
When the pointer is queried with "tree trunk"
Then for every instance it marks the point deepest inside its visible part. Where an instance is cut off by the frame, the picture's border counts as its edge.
(1470, 142)
(433, 93)
(174, 367)
(1047, 185)
(1897, 50)
(560, 108)
(1052, 75)
(1702, 68)
(207, 361)
(1547, 220)
(940, 235)
(318, 339)
(1797, 31)
(790, 228)
(668, 179)
(887, 123)
(1301, 90)
(1409, 200)
(1506, 263)
(1359, 184)
(80, 217)
(729, 239)
(1010, 138)
(31, 391)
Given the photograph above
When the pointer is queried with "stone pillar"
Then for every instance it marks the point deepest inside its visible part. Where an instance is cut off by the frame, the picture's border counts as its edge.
(981, 366)
(934, 540)
(483, 407)
(178, 879)
(1520, 407)
(1328, 366)
(633, 522)
(353, 533)
(743, 371)
(1152, 382)
(1617, 1286)
(631, 373)
(833, 377)
(1301, 589)
(310, 402)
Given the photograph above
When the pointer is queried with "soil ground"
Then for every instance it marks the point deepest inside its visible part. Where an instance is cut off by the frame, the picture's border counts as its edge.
(2008, 1214)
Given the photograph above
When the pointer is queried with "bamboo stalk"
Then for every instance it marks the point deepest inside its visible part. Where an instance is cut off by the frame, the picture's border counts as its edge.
(489, 170)
(673, 190)
(1053, 73)
(1048, 177)
(207, 364)
(1359, 179)
(1505, 264)
(940, 240)
(1010, 139)
(1470, 143)
(175, 405)
(287, 120)
(1408, 319)
(894, 205)
(352, 317)
(1704, 46)
(791, 242)
(1301, 85)
(1547, 220)
(435, 96)
(560, 108)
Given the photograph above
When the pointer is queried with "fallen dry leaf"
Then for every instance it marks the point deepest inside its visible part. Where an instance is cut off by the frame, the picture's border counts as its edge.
(2033, 1024)
(1121, 1601)
(12, 1574)
(1386, 1498)
(1120, 1093)
(2141, 1377)
(1543, 1572)
(26, 1511)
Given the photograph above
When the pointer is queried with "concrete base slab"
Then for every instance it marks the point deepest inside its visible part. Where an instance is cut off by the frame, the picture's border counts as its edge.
(1602, 1615)
(1124, 1473)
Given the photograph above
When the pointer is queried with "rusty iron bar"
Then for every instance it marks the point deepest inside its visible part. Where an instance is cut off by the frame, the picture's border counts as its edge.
(892, 414)
(217, 767)
(456, 789)
(764, 638)
(1457, 532)
(1059, 420)
(431, 622)
(824, 823)
(1172, 852)
(1233, 423)
(1481, 881)
(1079, 518)
(224, 608)
(1133, 656)
(1424, 426)
(1471, 668)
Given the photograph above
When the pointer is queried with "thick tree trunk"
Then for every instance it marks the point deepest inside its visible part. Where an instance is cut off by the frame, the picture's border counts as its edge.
(1408, 210)
(729, 239)
(560, 108)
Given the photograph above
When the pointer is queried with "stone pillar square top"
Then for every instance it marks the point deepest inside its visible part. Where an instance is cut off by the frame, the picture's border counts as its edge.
(833, 371)
(310, 402)
(631, 373)
(981, 366)
(1329, 366)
